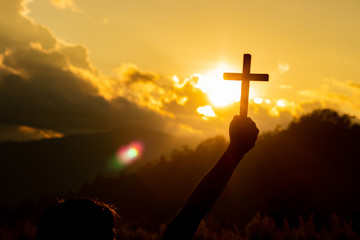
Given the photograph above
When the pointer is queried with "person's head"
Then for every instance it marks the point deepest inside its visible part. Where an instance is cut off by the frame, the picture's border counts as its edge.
(78, 218)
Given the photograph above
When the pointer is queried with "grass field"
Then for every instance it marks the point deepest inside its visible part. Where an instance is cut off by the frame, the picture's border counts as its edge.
(260, 227)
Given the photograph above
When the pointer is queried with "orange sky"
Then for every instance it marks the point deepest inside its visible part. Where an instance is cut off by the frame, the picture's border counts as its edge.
(100, 65)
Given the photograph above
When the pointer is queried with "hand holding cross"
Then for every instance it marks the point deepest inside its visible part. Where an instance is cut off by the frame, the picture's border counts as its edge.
(246, 77)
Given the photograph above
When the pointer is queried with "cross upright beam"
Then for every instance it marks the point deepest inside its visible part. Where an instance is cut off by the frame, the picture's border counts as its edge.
(245, 77)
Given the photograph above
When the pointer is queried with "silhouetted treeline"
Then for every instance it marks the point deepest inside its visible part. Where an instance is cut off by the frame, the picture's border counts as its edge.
(32, 170)
(311, 167)
(309, 170)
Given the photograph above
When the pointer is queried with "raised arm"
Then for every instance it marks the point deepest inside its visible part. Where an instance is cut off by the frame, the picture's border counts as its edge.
(243, 133)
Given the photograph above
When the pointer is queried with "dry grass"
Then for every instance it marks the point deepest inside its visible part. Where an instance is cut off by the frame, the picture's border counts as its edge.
(259, 228)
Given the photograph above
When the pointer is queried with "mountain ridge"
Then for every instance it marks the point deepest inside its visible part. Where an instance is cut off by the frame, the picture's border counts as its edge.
(49, 167)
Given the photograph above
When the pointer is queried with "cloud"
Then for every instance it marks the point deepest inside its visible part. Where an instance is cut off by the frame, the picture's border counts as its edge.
(18, 30)
(283, 86)
(46, 93)
(354, 85)
(283, 67)
(132, 74)
(78, 56)
(206, 110)
(49, 88)
(65, 4)
(342, 96)
(25, 133)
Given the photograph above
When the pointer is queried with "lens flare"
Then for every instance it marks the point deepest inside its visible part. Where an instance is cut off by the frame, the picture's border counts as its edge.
(221, 93)
(130, 153)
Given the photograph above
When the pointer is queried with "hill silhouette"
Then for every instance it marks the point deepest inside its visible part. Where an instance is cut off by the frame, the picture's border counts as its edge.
(311, 167)
(54, 167)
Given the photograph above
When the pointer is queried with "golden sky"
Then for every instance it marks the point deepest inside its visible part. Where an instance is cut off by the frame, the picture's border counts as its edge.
(73, 66)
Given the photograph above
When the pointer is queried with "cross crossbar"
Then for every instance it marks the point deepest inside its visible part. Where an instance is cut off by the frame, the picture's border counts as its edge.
(245, 77)
(251, 77)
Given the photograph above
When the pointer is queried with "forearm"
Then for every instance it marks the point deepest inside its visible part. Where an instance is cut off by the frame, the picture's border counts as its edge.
(203, 196)
(243, 134)
(212, 184)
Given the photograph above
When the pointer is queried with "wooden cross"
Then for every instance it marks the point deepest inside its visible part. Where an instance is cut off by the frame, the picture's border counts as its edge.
(246, 77)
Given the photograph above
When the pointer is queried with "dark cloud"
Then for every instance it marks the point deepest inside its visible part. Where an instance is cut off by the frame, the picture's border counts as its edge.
(16, 30)
(46, 95)
(42, 86)
(78, 56)
(132, 74)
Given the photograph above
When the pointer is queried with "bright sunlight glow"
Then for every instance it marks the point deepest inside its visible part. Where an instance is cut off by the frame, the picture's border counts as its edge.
(206, 111)
(282, 103)
(220, 92)
(258, 100)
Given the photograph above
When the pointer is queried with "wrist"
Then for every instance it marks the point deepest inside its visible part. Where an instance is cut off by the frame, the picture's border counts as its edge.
(230, 159)
(237, 149)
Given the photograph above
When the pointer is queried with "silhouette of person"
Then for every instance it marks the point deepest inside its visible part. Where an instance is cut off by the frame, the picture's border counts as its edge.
(88, 219)
(243, 134)
(78, 218)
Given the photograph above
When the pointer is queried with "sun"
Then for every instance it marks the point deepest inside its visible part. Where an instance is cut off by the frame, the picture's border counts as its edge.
(220, 92)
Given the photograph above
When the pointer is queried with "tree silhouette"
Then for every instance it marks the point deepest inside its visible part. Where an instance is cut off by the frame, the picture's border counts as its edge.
(310, 167)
